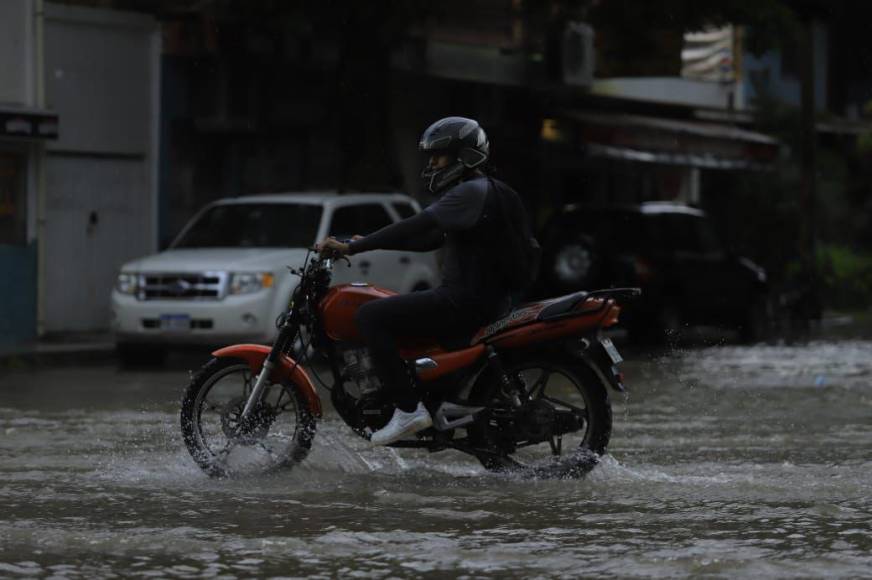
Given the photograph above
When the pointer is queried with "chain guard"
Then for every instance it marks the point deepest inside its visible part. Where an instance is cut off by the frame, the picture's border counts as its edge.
(535, 422)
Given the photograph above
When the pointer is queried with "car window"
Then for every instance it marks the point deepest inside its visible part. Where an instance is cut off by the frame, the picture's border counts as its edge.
(708, 239)
(359, 219)
(620, 232)
(686, 233)
(626, 233)
(253, 225)
(405, 210)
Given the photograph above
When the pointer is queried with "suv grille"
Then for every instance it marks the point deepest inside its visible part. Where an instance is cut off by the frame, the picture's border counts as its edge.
(183, 286)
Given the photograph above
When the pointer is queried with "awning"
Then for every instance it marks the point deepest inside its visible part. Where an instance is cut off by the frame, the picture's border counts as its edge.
(703, 161)
(22, 123)
(670, 141)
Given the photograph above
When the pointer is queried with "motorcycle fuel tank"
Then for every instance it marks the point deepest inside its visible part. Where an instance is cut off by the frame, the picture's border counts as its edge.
(339, 308)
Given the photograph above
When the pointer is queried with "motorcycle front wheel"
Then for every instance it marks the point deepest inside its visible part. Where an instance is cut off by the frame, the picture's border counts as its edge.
(561, 429)
(278, 432)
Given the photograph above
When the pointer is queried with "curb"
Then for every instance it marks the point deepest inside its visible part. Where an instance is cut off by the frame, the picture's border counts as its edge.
(58, 355)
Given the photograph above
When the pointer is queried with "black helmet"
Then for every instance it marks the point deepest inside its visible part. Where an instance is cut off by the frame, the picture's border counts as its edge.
(458, 137)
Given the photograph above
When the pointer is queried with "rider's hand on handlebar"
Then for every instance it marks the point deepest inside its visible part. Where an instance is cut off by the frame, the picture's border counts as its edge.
(332, 248)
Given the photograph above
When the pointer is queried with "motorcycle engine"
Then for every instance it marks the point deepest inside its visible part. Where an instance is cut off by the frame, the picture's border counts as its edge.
(364, 404)
(358, 371)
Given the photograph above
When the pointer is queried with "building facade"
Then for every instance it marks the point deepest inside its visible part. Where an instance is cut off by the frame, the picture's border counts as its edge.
(79, 105)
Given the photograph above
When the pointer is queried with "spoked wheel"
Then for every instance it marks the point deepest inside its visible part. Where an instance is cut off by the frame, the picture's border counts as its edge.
(278, 432)
(561, 428)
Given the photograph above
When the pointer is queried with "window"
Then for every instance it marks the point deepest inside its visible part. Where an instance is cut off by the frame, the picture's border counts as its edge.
(254, 225)
(405, 210)
(359, 219)
(13, 200)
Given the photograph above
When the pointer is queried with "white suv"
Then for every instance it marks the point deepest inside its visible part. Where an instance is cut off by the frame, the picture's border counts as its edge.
(225, 278)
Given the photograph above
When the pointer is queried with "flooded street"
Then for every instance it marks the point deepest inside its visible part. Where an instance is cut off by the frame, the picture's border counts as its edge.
(728, 461)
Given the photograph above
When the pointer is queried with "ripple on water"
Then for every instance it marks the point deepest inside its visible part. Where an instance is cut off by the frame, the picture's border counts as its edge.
(816, 364)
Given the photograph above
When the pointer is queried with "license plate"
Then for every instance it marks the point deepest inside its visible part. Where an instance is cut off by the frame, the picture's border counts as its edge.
(611, 350)
(175, 322)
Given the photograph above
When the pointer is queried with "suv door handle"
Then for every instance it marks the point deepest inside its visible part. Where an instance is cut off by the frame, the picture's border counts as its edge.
(364, 264)
(405, 260)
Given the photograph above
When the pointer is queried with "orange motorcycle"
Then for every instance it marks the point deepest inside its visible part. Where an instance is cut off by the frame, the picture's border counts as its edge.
(527, 393)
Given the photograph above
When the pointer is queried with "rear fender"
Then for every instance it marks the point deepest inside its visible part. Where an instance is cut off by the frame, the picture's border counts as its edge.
(286, 369)
(593, 351)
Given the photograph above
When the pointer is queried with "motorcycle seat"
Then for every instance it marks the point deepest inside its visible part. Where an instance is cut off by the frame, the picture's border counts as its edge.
(526, 313)
(532, 312)
(557, 307)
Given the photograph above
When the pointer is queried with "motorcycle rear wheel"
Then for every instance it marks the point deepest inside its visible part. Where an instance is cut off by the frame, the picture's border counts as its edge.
(278, 433)
(566, 387)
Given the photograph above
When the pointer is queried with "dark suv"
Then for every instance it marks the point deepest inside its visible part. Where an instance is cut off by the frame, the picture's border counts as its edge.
(667, 249)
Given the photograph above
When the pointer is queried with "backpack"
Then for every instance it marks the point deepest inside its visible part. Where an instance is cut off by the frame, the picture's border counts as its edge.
(514, 248)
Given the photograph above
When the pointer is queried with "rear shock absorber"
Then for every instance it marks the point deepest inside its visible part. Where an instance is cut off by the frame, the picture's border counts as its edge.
(508, 388)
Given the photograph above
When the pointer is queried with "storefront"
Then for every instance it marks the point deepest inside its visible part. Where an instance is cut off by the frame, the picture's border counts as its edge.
(22, 134)
(606, 157)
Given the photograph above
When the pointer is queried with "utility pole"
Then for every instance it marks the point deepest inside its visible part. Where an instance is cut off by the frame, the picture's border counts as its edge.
(809, 138)
(808, 192)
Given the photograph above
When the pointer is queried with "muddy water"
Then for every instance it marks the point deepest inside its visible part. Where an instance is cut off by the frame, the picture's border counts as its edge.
(729, 461)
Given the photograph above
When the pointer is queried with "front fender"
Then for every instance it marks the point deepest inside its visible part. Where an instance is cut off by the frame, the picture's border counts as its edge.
(286, 369)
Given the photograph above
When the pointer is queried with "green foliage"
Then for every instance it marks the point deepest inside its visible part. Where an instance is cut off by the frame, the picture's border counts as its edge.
(864, 143)
(846, 276)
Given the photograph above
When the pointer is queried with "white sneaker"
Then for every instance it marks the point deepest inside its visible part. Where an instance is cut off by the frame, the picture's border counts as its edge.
(401, 424)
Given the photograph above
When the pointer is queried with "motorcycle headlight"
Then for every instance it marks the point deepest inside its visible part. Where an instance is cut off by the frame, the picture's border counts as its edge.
(127, 283)
(248, 282)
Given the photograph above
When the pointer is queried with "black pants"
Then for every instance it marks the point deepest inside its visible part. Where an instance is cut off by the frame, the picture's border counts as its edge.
(427, 314)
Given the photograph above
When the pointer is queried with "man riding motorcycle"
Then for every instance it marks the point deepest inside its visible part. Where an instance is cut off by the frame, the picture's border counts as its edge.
(484, 232)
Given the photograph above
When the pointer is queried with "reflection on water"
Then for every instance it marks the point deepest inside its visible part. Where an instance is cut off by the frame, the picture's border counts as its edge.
(726, 461)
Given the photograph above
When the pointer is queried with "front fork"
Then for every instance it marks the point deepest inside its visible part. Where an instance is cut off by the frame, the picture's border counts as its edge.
(259, 386)
(286, 332)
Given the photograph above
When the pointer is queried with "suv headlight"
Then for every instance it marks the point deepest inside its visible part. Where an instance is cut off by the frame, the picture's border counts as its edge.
(248, 282)
(127, 283)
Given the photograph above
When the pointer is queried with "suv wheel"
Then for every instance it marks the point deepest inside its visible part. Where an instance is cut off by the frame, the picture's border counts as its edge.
(575, 263)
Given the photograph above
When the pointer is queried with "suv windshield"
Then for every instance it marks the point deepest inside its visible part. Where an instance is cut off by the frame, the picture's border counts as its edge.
(254, 225)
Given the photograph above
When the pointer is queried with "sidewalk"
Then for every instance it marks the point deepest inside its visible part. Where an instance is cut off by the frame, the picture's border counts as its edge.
(60, 349)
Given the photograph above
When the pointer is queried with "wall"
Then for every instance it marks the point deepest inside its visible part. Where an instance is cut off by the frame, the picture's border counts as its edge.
(17, 293)
(16, 52)
(18, 250)
(101, 174)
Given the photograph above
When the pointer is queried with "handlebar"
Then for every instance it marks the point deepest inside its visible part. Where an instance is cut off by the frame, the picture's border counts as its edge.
(331, 255)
